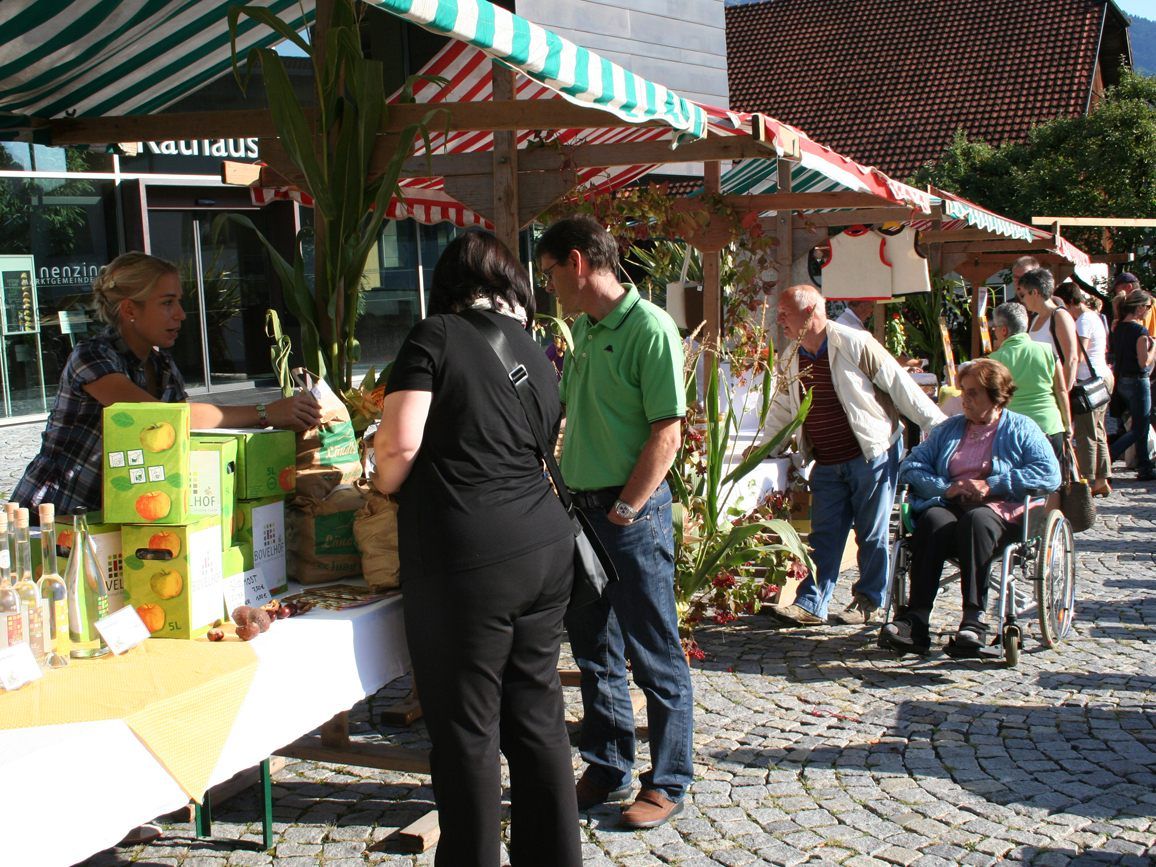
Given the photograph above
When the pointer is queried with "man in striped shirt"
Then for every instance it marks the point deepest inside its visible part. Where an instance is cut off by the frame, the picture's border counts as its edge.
(853, 434)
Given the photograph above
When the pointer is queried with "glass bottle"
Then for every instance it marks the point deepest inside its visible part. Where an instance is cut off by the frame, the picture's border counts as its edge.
(53, 593)
(10, 513)
(25, 586)
(87, 593)
(11, 628)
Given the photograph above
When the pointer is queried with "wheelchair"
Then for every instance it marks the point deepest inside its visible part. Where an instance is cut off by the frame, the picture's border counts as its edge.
(1044, 558)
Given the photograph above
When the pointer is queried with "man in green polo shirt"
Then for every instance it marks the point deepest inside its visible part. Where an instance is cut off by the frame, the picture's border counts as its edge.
(623, 390)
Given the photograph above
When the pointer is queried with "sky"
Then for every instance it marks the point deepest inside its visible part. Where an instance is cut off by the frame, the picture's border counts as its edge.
(1142, 8)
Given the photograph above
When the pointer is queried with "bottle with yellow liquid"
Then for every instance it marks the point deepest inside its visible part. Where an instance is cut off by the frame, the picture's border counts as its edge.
(25, 587)
(87, 593)
(53, 593)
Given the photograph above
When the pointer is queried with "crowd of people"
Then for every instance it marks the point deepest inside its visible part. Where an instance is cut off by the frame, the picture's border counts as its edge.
(462, 449)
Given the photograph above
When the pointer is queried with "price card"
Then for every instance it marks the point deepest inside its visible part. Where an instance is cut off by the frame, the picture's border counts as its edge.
(122, 630)
(247, 589)
(18, 666)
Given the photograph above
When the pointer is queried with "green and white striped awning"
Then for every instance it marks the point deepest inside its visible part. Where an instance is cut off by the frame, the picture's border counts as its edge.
(578, 74)
(93, 58)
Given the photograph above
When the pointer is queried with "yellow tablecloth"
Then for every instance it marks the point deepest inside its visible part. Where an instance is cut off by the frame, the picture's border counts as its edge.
(161, 689)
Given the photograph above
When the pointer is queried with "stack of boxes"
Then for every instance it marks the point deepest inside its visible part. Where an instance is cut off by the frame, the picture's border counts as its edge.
(185, 508)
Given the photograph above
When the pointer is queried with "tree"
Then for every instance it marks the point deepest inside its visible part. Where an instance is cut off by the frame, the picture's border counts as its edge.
(1102, 164)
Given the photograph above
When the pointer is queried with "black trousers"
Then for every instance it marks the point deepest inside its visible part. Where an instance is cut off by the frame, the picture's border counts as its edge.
(484, 645)
(972, 535)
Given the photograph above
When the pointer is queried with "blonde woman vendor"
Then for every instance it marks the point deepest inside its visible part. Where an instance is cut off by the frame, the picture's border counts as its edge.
(139, 297)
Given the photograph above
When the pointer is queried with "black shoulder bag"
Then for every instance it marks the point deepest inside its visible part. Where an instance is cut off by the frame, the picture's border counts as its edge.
(593, 568)
(1087, 394)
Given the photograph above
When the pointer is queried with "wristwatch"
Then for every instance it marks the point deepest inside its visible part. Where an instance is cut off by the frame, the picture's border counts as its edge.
(262, 415)
(625, 511)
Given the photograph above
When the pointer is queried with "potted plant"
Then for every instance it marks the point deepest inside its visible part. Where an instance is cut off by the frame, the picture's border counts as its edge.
(729, 559)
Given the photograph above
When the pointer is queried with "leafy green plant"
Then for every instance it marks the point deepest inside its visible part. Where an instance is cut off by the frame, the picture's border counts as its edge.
(920, 317)
(728, 558)
(331, 144)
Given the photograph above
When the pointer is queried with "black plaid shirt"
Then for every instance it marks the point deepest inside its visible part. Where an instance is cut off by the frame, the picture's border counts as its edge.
(67, 472)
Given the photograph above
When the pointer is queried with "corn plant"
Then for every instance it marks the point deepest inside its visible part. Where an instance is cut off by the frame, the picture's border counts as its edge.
(331, 145)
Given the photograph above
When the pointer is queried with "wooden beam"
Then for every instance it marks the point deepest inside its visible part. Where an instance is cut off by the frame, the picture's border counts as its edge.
(712, 267)
(545, 159)
(366, 755)
(949, 236)
(866, 216)
(1124, 222)
(505, 165)
(1006, 245)
(802, 201)
(544, 114)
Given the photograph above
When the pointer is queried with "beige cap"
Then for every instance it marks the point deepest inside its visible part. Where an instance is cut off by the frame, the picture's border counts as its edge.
(21, 519)
(47, 513)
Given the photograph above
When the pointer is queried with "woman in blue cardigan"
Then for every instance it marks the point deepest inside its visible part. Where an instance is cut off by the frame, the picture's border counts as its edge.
(967, 483)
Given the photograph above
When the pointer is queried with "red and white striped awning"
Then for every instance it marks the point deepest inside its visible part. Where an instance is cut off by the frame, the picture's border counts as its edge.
(466, 77)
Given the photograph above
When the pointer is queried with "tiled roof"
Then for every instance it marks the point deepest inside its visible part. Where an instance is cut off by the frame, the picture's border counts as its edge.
(888, 82)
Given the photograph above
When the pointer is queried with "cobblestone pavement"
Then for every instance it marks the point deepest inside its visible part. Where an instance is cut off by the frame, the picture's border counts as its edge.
(816, 746)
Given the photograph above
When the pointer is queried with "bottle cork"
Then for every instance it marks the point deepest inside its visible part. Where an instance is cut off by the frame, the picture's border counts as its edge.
(10, 510)
(47, 513)
(21, 519)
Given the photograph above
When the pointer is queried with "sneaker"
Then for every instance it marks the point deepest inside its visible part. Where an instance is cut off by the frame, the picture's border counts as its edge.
(898, 636)
(794, 615)
(650, 809)
(857, 613)
(591, 794)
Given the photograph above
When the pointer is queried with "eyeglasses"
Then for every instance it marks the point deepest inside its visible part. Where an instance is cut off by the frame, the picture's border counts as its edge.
(547, 274)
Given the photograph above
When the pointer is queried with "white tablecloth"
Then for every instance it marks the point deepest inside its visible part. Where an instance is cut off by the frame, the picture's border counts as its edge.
(69, 791)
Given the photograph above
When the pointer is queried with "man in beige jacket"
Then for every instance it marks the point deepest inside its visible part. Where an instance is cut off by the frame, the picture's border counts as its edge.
(853, 434)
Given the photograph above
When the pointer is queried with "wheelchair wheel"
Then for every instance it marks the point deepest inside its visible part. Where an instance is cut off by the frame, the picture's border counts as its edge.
(1055, 579)
(1012, 638)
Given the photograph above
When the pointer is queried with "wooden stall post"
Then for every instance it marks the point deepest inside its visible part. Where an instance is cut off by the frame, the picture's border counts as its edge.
(505, 213)
(712, 267)
(785, 253)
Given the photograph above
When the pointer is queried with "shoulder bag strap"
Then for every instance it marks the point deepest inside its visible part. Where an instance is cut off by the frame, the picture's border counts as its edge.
(520, 379)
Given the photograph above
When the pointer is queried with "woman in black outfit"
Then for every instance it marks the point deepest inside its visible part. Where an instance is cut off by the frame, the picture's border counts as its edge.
(1134, 352)
(486, 562)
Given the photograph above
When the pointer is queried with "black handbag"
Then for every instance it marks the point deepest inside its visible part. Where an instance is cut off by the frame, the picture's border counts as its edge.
(1076, 501)
(1087, 394)
(593, 568)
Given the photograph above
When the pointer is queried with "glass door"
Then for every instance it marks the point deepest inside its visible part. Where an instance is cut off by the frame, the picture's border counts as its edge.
(226, 293)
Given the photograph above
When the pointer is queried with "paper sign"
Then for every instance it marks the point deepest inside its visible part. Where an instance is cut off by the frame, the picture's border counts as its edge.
(18, 666)
(123, 630)
(247, 589)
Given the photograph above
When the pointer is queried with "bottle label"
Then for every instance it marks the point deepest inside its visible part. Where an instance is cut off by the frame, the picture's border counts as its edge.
(5, 559)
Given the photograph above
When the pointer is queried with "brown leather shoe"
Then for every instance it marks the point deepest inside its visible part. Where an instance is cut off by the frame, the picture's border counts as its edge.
(591, 794)
(650, 809)
(794, 615)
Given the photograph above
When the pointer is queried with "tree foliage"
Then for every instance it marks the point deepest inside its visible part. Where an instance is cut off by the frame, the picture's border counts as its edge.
(1102, 164)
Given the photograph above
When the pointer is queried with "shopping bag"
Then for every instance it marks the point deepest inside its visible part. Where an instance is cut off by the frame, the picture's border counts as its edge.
(375, 529)
(327, 455)
(320, 536)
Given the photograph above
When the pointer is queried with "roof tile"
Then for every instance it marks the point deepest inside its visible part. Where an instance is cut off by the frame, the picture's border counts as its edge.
(888, 82)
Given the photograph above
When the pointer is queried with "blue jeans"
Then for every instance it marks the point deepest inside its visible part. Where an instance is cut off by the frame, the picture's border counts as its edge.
(855, 493)
(635, 619)
(1138, 394)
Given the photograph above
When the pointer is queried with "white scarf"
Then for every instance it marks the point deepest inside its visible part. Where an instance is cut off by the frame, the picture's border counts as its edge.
(499, 305)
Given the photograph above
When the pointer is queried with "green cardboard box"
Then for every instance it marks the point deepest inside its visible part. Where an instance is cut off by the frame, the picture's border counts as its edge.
(172, 576)
(266, 461)
(213, 481)
(146, 463)
(261, 529)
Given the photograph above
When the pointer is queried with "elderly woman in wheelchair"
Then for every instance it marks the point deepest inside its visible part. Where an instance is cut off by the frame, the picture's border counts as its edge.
(969, 484)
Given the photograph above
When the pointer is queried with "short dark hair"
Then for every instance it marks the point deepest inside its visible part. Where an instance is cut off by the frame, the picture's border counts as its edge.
(478, 265)
(993, 377)
(584, 234)
(1039, 279)
(1070, 293)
